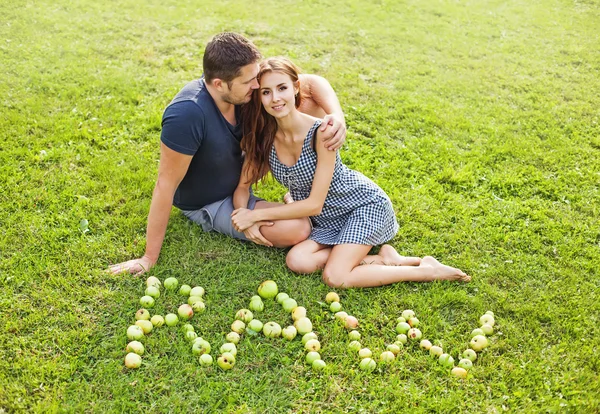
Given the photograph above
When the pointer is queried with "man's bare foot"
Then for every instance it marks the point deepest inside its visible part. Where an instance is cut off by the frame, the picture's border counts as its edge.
(443, 272)
(287, 198)
(391, 257)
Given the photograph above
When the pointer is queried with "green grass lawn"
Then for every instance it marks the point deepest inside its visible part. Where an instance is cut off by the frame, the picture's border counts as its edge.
(480, 120)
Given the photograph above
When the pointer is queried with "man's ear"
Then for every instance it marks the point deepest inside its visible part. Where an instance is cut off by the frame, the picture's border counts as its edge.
(217, 84)
(296, 87)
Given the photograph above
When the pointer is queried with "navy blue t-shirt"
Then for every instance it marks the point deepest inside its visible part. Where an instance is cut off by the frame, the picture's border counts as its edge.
(192, 124)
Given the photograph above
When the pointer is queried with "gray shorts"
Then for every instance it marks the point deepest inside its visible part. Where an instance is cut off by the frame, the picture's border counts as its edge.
(217, 216)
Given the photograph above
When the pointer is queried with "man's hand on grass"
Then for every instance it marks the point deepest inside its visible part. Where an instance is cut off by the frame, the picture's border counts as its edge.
(135, 267)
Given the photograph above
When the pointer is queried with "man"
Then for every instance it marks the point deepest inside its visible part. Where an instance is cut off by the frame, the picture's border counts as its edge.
(200, 155)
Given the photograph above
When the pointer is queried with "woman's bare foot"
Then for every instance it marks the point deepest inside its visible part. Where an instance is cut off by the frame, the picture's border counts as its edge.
(391, 257)
(287, 198)
(443, 272)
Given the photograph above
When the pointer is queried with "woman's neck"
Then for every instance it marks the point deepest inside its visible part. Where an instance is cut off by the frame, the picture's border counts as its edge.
(292, 125)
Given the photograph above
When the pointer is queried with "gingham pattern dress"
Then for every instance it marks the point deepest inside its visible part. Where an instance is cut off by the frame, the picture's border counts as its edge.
(356, 210)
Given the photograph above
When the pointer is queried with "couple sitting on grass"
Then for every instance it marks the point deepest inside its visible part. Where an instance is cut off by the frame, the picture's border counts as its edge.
(290, 125)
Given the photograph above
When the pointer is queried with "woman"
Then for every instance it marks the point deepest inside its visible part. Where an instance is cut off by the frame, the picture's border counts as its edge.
(350, 214)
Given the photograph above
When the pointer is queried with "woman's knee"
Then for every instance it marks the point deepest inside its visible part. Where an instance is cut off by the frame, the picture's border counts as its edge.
(334, 277)
(299, 261)
(290, 232)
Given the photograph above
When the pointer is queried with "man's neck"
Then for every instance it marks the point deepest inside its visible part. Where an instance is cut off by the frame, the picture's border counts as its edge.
(225, 108)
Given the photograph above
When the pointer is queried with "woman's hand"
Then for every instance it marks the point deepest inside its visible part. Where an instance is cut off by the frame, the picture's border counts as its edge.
(242, 219)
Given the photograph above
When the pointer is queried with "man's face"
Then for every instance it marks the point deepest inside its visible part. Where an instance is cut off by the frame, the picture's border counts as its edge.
(240, 91)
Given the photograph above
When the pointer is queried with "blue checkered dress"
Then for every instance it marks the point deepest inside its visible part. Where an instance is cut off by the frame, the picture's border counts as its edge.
(356, 210)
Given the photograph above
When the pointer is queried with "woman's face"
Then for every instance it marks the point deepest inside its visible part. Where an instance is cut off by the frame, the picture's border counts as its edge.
(278, 93)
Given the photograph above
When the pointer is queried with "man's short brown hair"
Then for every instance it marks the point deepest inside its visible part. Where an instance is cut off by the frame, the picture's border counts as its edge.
(225, 56)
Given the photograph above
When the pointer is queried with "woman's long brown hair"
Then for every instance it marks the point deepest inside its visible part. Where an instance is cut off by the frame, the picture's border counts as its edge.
(258, 126)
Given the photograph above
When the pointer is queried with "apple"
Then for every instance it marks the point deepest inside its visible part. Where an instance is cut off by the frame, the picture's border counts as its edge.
(341, 316)
(133, 360)
(185, 312)
(157, 321)
(365, 353)
(256, 305)
(142, 314)
(272, 330)
(487, 320)
(487, 329)
(187, 328)
(145, 325)
(233, 337)
(469, 354)
(459, 372)
(436, 351)
(201, 346)
(312, 356)
(171, 319)
(191, 336)
(226, 361)
(402, 327)
(193, 299)
(394, 349)
(244, 315)
(476, 332)
(153, 281)
(205, 360)
(400, 319)
(490, 313)
(153, 292)
(318, 365)
(354, 346)
(335, 307)
(413, 322)
(255, 297)
(198, 306)
(147, 301)
(135, 332)
(387, 357)
(446, 360)
(313, 345)
(197, 291)
(255, 325)
(465, 363)
(298, 312)
(307, 337)
(354, 335)
(268, 289)
(351, 322)
(407, 314)
(229, 347)
(402, 338)
(171, 283)
(332, 297)
(426, 344)
(478, 343)
(184, 290)
(135, 347)
(367, 364)
(289, 304)
(399, 344)
(281, 297)
(238, 327)
(303, 325)
(414, 333)
(289, 333)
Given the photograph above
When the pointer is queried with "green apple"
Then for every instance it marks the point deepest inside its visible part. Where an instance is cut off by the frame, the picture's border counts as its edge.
(335, 307)
(147, 301)
(400, 319)
(313, 345)
(490, 313)
(413, 322)
(197, 291)
(272, 330)
(134, 333)
(255, 297)
(268, 289)
(238, 326)
(205, 360)
(229, 347)
(171, 319)
(289, 333)
(318, 365)
(145, 325)
(153, 281)
(136, 347)
(198, 306)
(478, 343)
(187, 328)
(476, 332)
(298, 312)
(365, 353)
(402, 338)
(226, 361)
(157, 321)
(465, 363)
(446, 360)
(233, 337)
(171, 283)
(367, 365)
(394, 349)
(487, 320)
(133, 360)
(414, 333)
(193, 299)
(354, 335)
(142, 314)
(255, 325)
(402, 327)
(459, 372)
(153, 292)
(312, 356)
(289, 304)
(185, 312)
(387, 356)
(341, 316)
(307, 337)
(257, 305)
(201, 346)
(191, 336)
(332, 297)
(303, 325)
(436, 351)
(184, 290)
(407, 314)
(425, 344)
(244, 315)
(469, 354)
(281, 297)
(487, 329)
(351, 322)
(354, 346)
